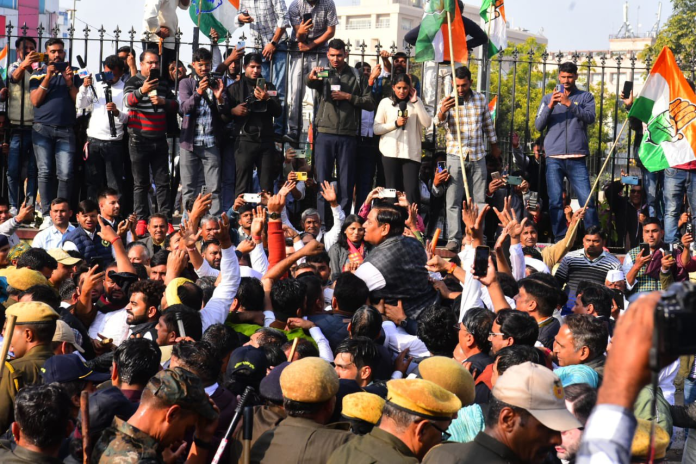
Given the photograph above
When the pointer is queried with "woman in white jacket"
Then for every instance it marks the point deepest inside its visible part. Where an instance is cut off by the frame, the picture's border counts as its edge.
(401, 133)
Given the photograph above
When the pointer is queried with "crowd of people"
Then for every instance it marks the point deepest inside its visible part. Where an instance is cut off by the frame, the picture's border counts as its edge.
(310, 292)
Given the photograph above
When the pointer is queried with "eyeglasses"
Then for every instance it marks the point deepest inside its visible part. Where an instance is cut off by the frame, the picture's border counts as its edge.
(493, 334)
(445, 436)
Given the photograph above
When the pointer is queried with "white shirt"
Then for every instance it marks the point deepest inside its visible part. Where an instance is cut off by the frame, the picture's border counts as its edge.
(99, 121)
(158, 13)
(110, 325)
(369, 274)
(215, 312)
(397, 340)
(50, 238)
(366, 123)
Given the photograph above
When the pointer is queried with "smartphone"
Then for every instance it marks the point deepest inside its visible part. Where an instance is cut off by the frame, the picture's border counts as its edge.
(496, 176)
(43, 58)
(533, 200)
(645, 248)
(481, 261)
(241, 44)
(204, 190)
(560, 88)
(630, 180)
(96, 262)
(261, 83)
(62, 66)
(514, 180)
(301, 176)
(306, 17)
(251, 198)
(387, 193)
(673, 249)
(441, 166)
(627, 89)
(460, 101)
(300, 155)
(107, 76)
(154, 75)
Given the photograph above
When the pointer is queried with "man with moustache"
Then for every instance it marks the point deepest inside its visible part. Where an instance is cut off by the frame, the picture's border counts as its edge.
(143, 308)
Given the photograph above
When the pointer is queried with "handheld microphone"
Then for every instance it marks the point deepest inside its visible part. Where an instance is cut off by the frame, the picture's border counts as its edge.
(403, 112)
(83, 72)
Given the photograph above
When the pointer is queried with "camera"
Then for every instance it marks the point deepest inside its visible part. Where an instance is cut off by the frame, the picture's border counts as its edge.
(675, 320)
(213, 79)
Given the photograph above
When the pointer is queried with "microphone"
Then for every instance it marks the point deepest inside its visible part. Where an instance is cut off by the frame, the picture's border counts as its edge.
(403, 112)
(83, 72)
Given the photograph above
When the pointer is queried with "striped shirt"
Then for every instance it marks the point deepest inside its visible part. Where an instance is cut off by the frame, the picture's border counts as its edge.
(576, 267)
(143, 118)
(474, 120)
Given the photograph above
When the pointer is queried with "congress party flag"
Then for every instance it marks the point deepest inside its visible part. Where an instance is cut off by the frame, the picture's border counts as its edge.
(493, 14)
(668, 106)
(493, 108)
(433, 43)
(214, 14)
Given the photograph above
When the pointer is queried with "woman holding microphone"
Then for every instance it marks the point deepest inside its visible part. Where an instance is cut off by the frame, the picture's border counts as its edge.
(400, 121)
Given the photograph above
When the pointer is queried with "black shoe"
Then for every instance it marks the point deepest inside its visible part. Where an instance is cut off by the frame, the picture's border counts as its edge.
(453, 246)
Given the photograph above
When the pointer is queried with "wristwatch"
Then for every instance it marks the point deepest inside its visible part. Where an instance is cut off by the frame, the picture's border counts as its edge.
(403, 323)
(274, 216)
(274, 43)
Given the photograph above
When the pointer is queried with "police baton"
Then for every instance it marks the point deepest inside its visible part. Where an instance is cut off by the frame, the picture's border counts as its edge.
(233, 425)
(247, 432)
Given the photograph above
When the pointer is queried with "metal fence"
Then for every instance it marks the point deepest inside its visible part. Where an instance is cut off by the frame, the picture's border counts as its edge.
(518, 77)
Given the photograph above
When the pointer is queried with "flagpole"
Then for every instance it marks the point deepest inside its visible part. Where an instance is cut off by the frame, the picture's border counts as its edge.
(456, 108)
(596, 182)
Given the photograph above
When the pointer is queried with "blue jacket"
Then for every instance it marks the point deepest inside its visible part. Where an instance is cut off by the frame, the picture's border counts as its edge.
(567, 126)
(89, 248)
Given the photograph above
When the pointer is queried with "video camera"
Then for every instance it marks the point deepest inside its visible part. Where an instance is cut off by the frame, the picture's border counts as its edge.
(675, 321)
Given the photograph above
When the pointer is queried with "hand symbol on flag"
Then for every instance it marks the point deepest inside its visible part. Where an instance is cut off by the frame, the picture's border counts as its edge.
(669, 125)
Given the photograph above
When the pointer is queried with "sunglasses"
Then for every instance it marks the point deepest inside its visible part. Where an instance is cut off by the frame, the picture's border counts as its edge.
(445, 436)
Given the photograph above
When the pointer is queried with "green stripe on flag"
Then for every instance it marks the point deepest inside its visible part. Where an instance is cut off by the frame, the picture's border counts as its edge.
(208, 20)
(485, 6)
(642, 109)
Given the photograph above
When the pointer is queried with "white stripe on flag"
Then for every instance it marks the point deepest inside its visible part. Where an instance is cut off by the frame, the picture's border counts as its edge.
(439, 47)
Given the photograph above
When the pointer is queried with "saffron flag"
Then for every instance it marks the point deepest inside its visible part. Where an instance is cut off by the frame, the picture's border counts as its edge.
(493, 14)
(216, 14)
(433, 43)
(493, 108)
(668, 106)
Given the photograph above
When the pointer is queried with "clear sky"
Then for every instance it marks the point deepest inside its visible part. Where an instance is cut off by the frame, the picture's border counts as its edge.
(568, 24)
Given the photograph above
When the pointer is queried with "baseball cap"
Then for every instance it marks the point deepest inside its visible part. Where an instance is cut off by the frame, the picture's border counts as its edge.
(248, 361)
(615, 275)
(68, 368)
(538, 390)
(179, 386)
(63, 257)
(65, 333)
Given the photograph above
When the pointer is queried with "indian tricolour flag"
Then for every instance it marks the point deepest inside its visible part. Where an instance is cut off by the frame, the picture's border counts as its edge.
(216, 14)
(493, 108)
(433, 42)
(668, 106)
(493, 14)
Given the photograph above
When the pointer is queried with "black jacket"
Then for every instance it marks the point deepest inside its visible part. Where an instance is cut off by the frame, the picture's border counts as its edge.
(258, 123)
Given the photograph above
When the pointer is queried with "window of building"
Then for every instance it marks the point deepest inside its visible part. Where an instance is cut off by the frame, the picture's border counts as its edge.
(359, 22)
(383, 22)
(406, 24)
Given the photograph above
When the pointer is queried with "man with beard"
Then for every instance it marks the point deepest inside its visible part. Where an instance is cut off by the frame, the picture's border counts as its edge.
(211, 252)
(526, 416)
(143, 308)
(396, 67)
(580, 400)
(86, 238)
(109, 312)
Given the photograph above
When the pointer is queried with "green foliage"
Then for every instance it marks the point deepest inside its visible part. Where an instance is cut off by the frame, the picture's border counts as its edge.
(677, 33)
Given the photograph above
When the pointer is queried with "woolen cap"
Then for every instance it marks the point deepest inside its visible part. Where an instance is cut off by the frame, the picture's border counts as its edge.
(450, 375)
(364, 406)
(309, 380)
(539, 391)
(65, 333)
(422, 398)
(32, 312)
(640, 448)
(179, 386)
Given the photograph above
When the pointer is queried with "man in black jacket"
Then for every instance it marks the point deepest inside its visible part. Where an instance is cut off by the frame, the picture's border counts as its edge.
(342, 96)
(253, 109)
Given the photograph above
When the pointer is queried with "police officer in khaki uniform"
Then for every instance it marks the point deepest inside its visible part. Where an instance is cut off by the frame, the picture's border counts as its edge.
(414, 419)
(31, 345)
(309, 389)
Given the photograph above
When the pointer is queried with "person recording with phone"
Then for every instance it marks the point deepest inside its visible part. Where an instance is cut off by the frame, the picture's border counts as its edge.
(566, 113)
(202, 101)
(104, 148)
(160, 23)
(148, 101)
(54, 88)
(399, 121)
(21, 113)
(254, 110)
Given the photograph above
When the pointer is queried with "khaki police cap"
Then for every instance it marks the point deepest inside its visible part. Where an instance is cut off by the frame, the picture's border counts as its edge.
(450, 375)
(22, 279)
(364, 406)
(309, 380)
(32, 312)
(422, 398)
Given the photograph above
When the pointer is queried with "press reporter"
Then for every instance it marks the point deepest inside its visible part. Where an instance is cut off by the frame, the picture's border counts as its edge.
(104, 148)
(399, 121)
